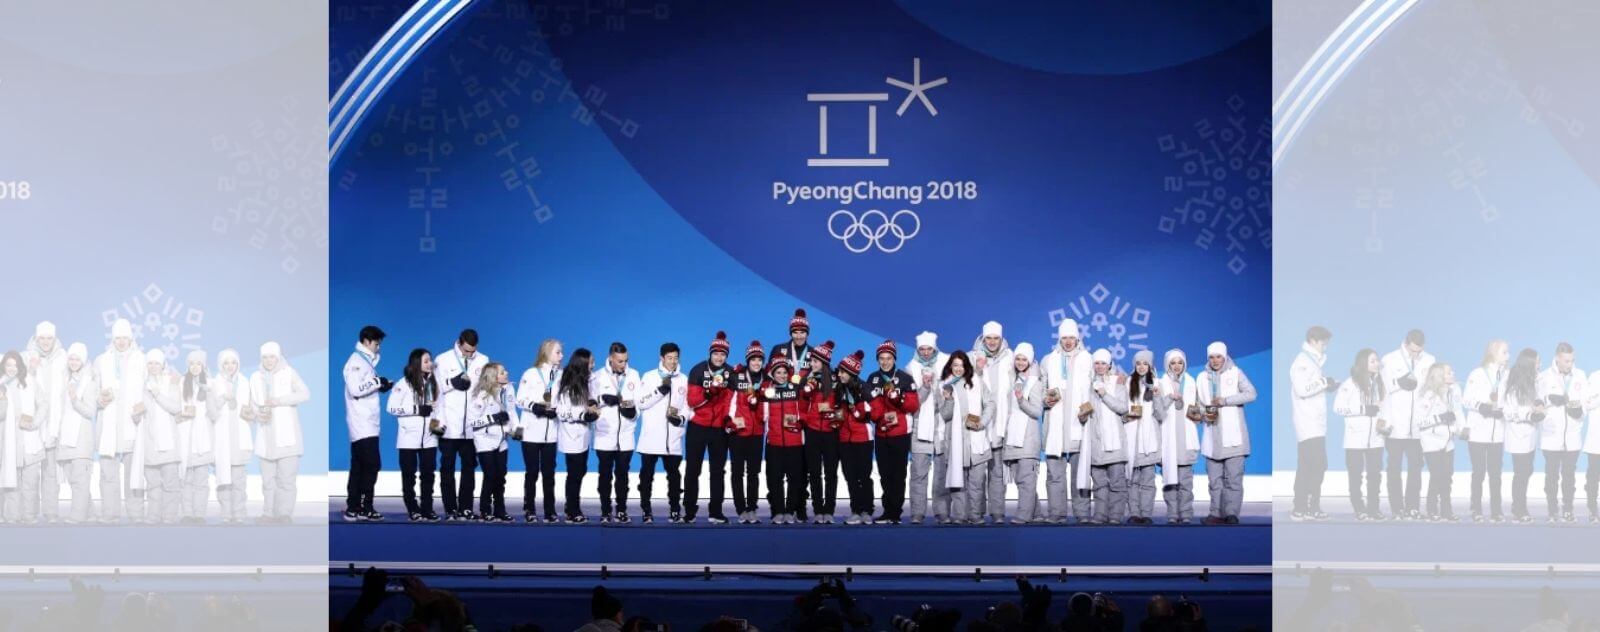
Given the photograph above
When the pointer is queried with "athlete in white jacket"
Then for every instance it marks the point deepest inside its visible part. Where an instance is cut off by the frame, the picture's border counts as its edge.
(119, 373)
(1562, 387)
(457, 371)
(1591, 447)
(1309, 387)
(47, 364)
(232, 443)
(196, 425)
(1180, 439)
(158, 440)
(616, 388)
(1524, 412)
(277, 391)
(1225, 390)
(75, 442)
(1067, 371)
(1403, 372)
(363, 393)
(490, 409)
(1360, 402)
(991, 352)
(412, 403)
(19, 439)
(537, 429)
(576, 413)
(1437, 429)
(927, 428)
(1484, 397)
(664, 407)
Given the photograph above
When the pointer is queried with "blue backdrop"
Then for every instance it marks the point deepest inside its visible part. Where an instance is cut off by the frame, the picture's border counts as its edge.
(621, 172)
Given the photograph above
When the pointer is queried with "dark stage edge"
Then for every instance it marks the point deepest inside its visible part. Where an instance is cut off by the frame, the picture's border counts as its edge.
(396, 540)
(559, 603)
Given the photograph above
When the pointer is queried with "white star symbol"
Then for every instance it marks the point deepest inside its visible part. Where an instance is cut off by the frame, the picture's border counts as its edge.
(916, 89)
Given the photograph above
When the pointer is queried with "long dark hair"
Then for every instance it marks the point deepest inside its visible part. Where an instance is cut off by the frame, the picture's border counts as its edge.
(22, 368)
(1524, 373)
(1363, 378)
(575, 377)
(192, 383)
(1138, 385)
(966, 366)
(423, 384)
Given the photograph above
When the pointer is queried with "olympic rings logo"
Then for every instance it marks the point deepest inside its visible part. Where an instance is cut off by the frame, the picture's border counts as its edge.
(874, 229)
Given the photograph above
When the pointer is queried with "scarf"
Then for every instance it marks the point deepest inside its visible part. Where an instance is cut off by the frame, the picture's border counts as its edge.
(1223, 383)
(1016, 430)
(1113, 438)
(1142, 433)
(1178, 430)
(69, 432)
(275, 382)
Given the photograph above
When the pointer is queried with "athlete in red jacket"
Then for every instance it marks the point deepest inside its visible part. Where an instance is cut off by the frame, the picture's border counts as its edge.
(852, 413)
(784, 410)
(711, 397)
(745, 432)
(894, 400)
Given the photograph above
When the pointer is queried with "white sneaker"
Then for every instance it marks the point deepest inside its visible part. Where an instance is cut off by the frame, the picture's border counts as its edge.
(853, 519)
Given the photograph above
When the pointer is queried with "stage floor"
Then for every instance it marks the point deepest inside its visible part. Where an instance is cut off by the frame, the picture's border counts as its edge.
(133, 544)
(396, 542)
(1343, 540)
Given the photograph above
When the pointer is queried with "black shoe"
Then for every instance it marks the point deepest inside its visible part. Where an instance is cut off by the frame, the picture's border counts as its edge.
(372, 516)
(647, 519)
(1215, 521)
(674, 518)
(351, 516)
(577, 519)
(504, 518)
(717, 519)
(551, 519)
(622, 518)
(1232, 520)
(530, 518)
(415, 517)
(430, 516)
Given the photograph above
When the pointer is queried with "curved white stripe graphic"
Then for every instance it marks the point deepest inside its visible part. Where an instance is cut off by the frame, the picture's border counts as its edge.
(1298, 120)
(380, 45)
(407, 40)
(372, 95)
(1288, 116)
(1316, 57)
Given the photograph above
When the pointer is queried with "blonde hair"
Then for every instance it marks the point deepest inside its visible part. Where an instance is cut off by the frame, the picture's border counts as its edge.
(546, 350)
(1489, 351)
(486, 384)
(1435, 379)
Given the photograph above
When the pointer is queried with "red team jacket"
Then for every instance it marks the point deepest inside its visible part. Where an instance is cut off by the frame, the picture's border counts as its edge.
(820, 391)
(712, 404)
(779, 400)
(853, 410)
(747, 402)
(904, 404)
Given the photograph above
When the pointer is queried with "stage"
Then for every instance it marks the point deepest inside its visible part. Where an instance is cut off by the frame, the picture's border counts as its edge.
(397, 542)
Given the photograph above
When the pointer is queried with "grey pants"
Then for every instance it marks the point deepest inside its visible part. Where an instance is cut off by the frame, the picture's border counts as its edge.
(1058, 488)
(1560, 482)
(196, 491)
(117, 499)
(1143, 485)
(1226, 478)
(231, 497)
(78, 472)
(1026, 473)
(922, 465)
(1110, 492)
(968, 504)
(1179, 492)
(279, 486)
(997, 487)
(23, 503)
(49, 486)
(163, 485)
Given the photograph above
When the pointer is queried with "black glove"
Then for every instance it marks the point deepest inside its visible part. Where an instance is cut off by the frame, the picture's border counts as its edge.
(610, 400)
(460, 382)
(538, 410)
(629, 411)
(549, 413)
(384, 384)
(501, 418)
(666, 387)
(1448, 417)
(1558, 400)
(1371, 410)
(1485, 409)
(675, 420)
(1329, 383)
(1499, 414)
(424, 410)
(590, 417)
(1407, 382)
(1575, 412)
(1537, 417)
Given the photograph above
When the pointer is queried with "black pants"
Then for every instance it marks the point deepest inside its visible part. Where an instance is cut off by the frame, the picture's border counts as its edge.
(1521, 473)
(577, 466)
(1592, 484)
(614, 476)
(785, 480)
(746, 472)
(364, 466)
(493, 502)
(894, 454)
(1309, 470)
(647, 475)
(424, 459)
(1370, 461)
(1487, 463)
(1560, 484)
(457, 499)
(539, 459)
(1410, 497)
(822, 469)
(701, 440)
(857, 460)
(1441, 467)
